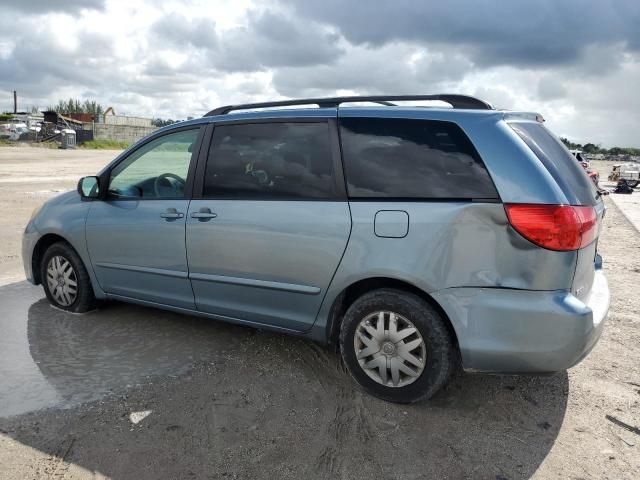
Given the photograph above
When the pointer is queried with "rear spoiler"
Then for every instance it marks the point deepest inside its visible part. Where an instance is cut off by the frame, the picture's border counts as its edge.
(515, 116)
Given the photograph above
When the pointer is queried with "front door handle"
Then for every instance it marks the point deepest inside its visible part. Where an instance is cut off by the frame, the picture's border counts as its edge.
(172, 214)
(204, 215)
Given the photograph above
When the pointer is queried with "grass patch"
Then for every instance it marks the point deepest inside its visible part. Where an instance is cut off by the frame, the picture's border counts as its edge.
(46, 144)
(104, 145)
(12, 143)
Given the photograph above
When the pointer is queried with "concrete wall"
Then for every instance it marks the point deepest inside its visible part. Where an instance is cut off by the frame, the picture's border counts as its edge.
(120, 133)
(123, 120)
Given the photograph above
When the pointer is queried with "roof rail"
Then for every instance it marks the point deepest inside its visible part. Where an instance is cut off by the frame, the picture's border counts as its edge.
(455, 100)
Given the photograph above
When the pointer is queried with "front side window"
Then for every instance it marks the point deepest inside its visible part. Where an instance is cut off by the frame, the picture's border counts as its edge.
(158, 169)
(270, 161)
(413, 159)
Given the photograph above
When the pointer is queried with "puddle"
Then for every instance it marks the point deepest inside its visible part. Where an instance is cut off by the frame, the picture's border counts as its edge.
(52, 358)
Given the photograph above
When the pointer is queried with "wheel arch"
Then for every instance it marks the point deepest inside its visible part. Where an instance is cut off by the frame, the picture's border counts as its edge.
(40, 248)
(355, 290)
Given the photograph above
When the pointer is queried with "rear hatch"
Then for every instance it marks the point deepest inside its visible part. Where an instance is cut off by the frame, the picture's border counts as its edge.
(579, 190)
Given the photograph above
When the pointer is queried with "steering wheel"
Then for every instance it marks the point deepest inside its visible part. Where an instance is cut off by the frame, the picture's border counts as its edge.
(170, 180)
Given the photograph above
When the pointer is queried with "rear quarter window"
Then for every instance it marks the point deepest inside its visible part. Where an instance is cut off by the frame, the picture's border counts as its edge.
(565, 169)
(412, 159)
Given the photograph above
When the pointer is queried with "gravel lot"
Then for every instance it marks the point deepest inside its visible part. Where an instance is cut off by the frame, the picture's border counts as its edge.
(223, 401)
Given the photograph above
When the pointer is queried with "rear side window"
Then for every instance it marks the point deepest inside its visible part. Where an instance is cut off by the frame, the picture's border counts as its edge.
(270, 160)
(415, 159)
(565, 169)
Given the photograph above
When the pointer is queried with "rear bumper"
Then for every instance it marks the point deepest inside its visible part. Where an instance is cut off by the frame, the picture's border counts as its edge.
(522, 331)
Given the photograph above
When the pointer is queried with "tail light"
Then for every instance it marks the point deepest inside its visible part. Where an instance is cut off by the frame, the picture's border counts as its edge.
(555, 227)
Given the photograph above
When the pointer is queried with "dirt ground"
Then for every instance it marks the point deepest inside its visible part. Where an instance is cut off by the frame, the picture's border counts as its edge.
(28, 177)
(222, 401)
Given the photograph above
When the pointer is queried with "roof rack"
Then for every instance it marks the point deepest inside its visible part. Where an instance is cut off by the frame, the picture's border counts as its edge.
(455, 100)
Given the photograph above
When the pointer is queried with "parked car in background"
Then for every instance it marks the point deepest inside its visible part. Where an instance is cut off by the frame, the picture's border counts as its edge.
(414, 239)
(593, 174)
(580, 157)
(13, 131)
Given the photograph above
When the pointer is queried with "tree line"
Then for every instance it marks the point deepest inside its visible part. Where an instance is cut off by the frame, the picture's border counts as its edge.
(592, 148)
(77, 106)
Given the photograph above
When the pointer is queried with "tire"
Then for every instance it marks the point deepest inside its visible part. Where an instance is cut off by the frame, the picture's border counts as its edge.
(633, 183)
(61, 260)
(438, 353)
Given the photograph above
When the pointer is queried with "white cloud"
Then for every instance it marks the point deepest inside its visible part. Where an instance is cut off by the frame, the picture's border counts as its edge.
(176, 59)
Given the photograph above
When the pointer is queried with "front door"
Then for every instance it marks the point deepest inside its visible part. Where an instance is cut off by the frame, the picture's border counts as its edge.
(136, 236)
(268, 234)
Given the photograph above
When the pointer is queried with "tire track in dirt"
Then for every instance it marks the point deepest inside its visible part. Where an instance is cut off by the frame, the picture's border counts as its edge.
(348, 425)
(330, 460)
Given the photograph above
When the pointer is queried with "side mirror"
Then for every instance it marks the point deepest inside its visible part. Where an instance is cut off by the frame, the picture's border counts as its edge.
(89, 187)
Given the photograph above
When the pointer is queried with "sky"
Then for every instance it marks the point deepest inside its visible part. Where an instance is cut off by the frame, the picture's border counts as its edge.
(577, 62)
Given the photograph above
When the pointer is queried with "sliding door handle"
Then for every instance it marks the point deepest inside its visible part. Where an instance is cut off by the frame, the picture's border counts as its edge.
(171, 214)
(204, 215)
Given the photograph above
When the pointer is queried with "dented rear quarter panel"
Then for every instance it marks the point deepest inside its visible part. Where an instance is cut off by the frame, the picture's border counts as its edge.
(448, 245)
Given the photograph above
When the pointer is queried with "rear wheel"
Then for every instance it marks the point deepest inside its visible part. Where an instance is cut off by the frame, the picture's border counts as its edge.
(65, 279)
(396, 346)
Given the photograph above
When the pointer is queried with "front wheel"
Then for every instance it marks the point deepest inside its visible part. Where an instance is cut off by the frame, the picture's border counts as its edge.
(65, 279)
(397, 346)
(633, 183)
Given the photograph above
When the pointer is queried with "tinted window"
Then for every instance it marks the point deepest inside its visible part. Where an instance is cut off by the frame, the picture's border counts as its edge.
(158, 169)
(403, 158)
(270, 160)
(561, 164)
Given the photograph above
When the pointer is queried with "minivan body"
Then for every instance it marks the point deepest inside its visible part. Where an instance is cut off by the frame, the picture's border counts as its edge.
(284, 218)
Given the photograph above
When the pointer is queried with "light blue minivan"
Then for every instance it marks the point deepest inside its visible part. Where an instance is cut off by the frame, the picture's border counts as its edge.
(414, 238)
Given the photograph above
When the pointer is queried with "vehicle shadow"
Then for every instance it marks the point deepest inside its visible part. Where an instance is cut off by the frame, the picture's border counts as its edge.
(229, 401)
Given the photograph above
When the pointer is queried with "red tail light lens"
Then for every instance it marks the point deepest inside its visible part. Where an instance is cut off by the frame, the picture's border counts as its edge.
(555, 227)
(589, 221)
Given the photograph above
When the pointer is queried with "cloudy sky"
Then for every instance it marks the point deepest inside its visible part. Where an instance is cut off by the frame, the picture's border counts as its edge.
(576, 62)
